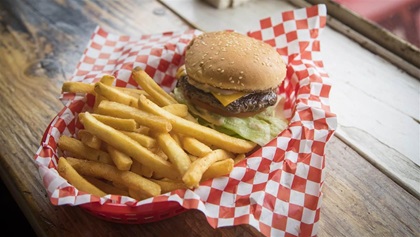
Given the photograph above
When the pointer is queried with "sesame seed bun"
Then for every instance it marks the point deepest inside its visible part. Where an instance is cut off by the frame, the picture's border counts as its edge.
(232, 61)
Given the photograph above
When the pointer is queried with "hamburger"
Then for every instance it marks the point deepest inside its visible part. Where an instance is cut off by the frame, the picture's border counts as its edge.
(230, 81)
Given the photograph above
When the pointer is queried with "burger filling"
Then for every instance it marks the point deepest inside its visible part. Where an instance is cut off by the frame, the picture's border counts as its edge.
(251, 116)
(226, 102)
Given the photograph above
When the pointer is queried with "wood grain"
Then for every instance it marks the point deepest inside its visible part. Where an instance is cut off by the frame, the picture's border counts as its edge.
(41, 43)
(359, 200)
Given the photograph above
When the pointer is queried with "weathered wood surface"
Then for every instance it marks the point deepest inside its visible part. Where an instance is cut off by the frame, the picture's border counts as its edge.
(41, 43)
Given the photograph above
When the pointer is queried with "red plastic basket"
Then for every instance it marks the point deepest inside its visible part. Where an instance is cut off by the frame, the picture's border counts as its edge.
(114, 212)
(134, 215)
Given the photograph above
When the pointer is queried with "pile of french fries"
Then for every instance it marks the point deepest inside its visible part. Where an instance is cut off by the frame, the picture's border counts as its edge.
(142, 143)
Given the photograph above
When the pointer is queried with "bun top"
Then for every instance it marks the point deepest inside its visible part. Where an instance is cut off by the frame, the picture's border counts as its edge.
(232, 61)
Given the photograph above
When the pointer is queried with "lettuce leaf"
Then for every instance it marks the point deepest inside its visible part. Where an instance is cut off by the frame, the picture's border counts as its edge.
(260, 128)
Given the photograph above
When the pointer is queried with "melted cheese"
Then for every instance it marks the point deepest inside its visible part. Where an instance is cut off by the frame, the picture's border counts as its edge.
(227, 99)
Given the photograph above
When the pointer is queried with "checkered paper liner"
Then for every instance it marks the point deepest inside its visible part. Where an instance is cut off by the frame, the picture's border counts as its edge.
(277, 189)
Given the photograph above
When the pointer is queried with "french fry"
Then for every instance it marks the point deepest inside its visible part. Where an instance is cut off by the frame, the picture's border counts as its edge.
(133, 91)
(239, 158)
(218, 169)
(136, 167)
(125, 144)
(195, 147)
(192, 158)
(123, 124)
(161, 97)
(196, 170)
(121, 160)
(142, 130)
(120, 185)
(74, 178)
(106, 186)
(158, 151)
(82, 87)
(200, 132)
(146, 171)
(111, 173)
(157, 176)
(113, 94)
(180, 110)
(140, 169)
(77, 87)
(80, 150)
(88, 139)
(155, 92)
(142, 139)
(137, 194)
(106, 80)
(167, 185)
(118, 110)
(176, 137)
(175, 153)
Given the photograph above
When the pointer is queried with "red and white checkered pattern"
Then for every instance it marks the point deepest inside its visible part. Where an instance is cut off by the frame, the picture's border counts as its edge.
(277, 189)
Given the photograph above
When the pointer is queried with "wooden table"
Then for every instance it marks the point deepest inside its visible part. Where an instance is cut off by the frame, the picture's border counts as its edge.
(41, 43)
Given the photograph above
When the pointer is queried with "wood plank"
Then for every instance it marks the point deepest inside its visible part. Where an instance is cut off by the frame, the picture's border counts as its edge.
(377, 104)
(360, 200)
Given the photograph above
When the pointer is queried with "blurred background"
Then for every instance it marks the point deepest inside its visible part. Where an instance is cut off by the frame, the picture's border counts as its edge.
(401, 17)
